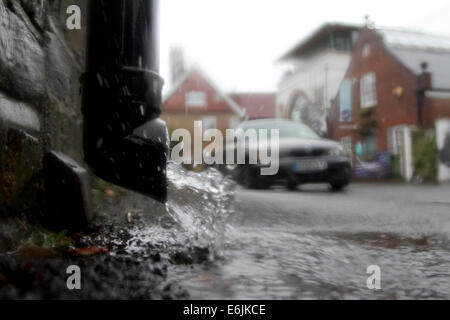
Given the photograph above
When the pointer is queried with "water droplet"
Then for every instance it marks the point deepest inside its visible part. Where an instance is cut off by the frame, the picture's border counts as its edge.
(100, 79)
(99, 143)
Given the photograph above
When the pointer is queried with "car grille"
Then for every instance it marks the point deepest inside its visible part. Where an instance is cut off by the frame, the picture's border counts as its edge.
(309, 152)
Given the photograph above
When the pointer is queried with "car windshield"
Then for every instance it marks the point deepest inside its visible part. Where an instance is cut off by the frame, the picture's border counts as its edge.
(287, 129)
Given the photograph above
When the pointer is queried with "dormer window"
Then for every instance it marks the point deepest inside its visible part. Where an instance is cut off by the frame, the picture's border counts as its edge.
(196, 99)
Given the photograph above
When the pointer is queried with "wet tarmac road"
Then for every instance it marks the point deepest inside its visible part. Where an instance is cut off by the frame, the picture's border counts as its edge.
(316, 244)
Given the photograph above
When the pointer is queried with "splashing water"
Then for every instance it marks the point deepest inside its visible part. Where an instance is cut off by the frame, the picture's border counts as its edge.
(193, 221)
(201, 203)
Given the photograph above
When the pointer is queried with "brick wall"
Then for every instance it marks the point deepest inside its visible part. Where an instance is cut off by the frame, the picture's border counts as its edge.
(391, 109)
(435, 108)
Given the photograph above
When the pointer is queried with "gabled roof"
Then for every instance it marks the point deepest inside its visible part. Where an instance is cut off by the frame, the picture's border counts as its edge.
(230, 102)
(412, 48)
(256, 105)
(321, 33)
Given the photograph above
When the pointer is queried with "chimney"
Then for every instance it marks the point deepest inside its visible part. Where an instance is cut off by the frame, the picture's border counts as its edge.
(177, 64)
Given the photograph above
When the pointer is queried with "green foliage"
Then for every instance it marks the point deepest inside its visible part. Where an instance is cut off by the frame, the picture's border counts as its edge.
(49, 239)
(425, 156)
(98, 191)
(395, 167)
(368, 128)
(366, 111)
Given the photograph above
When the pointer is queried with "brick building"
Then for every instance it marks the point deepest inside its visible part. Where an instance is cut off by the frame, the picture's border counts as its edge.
(258, 105)
(194, 97)
(317, 65)
(397, 81)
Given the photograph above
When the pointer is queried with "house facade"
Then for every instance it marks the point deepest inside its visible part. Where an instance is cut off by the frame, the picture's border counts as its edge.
(257, 105)
(318, 64)
(194, 97)
(397, 82)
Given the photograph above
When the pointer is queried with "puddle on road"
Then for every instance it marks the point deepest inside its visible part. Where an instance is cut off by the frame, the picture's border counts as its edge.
(214, 258)
(281, 263)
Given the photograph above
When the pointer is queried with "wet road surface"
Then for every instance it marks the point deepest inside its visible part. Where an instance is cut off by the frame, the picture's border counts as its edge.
(316, 244)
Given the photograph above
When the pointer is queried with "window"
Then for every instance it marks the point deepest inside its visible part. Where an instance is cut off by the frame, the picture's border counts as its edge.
(195, 99)
(369, 147)
(347, 145)
(209, 122)
(368, 91)
(366, 51)
(345, 101)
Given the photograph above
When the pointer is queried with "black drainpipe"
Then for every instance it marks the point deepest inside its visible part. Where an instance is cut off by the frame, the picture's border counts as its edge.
(423, 85)
(125, 142)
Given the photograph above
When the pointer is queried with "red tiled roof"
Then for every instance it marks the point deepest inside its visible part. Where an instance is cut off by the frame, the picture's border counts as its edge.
(257, 105)
(195, 80)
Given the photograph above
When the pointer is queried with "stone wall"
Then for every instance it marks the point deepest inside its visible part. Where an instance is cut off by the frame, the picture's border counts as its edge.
(40, 66)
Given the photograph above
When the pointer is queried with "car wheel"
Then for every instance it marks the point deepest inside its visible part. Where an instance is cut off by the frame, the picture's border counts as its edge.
(292, 186)
(338, 186)
(248, 180)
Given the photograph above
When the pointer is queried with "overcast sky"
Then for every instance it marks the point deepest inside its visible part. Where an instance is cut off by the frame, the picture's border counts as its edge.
(237, 41)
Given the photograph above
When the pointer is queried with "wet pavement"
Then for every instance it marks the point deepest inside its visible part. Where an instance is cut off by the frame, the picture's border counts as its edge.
(138, 239)
(215, 240)
(316, 244)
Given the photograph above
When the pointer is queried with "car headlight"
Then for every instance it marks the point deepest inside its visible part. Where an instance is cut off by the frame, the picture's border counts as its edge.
(337, 151)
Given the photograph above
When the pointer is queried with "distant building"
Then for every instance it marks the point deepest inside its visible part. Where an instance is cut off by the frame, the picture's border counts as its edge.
(196, 98)
(397, 81)
(318, 64)
(256, 105)
(193, 96)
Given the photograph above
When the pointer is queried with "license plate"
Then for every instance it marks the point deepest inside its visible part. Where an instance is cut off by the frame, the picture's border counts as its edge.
(310, 165)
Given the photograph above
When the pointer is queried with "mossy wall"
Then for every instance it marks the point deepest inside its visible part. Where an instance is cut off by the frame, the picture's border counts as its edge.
(40, 65)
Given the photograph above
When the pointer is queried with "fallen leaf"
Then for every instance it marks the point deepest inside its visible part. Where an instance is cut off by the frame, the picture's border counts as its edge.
(89, 251)
(33, 252)
(76, 237)
(110, 192)
(3, 280)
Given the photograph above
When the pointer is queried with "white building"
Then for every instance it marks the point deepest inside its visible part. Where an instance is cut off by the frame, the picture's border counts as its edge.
(317, 67)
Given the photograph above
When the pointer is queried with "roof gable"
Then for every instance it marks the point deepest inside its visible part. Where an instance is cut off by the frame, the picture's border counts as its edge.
(325, 33)
(196, 80)
(256, 105)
